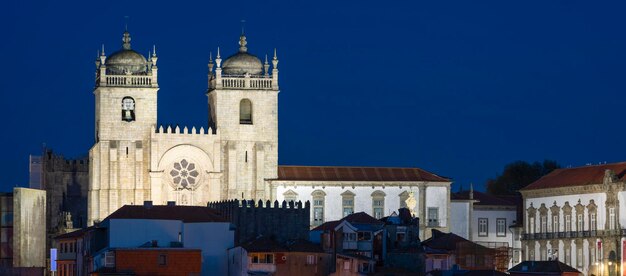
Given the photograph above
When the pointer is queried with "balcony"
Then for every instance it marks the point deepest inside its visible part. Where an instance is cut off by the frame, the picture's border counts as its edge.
(574, 234)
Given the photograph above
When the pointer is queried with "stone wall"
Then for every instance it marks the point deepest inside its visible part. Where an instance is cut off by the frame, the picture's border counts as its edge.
(29, 228)
(253, 219)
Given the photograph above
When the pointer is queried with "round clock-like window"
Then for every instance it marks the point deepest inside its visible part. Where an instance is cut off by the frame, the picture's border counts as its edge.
(185, 175)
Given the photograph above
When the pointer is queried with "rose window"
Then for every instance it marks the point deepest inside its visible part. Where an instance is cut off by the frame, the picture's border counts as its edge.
(184, 174)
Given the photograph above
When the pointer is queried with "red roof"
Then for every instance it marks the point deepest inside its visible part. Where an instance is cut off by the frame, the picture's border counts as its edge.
(164, 212)
(324, 173)
(578, 176)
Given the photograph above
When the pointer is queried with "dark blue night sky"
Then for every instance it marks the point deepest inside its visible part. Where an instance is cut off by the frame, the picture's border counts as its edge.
(457, 88)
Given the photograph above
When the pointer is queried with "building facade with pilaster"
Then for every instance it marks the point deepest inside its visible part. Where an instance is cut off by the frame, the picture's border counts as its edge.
(573, 215)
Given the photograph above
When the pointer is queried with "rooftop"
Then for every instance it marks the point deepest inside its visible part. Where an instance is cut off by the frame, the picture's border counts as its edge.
(485, 199)
(542, 268)
(335, 173)
(578, 176)
(187, 214)
(356, 218)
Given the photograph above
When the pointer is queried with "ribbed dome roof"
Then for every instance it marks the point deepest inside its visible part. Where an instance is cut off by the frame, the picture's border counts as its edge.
(242, 62)
(126, 60)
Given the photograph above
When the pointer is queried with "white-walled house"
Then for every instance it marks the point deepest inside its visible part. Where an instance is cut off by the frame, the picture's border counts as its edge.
(573, 215)
(489, 221)
(190, 227)
(336, 192)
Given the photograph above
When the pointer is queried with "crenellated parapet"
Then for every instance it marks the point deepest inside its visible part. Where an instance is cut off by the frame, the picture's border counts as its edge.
(282, 220)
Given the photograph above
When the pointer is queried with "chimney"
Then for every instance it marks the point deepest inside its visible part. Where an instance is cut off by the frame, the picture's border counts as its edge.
(147, 204)
(171, 203)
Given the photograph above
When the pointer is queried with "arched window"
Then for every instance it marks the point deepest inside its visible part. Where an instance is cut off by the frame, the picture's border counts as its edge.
(378, 204)
(318, 207)
(245, 112)
(128, 109)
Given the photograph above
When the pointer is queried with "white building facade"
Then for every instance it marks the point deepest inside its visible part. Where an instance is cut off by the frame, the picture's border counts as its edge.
(488, 220)
(573, 215)
(235, 156)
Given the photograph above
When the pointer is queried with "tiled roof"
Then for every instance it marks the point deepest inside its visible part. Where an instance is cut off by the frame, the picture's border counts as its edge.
(324, 173)
(578, 176)
(163, 212)
(542, 267)
(448, 241)
(356, 218)
(484, 199)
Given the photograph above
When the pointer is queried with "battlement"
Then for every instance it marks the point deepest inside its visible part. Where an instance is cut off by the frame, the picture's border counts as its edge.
(184, 131)
(57, 162)
(282, 221)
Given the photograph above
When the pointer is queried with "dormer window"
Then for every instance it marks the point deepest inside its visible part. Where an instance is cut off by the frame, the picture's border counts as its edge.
(128, 109)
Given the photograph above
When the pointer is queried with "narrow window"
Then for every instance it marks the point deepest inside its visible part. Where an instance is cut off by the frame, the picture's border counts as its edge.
(162, 259)
(592, 222)
(128, 109)
(555, 224)
(544, 224)
(433, 217)
(378, 204)
(246, 157)
(501, 227)
(347, 202)
(245, 112)
(568, 223)
(318, 207)
(579, 226)
(483, 224)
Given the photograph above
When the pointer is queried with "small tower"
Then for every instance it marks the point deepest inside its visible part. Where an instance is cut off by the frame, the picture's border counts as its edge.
(243, 105)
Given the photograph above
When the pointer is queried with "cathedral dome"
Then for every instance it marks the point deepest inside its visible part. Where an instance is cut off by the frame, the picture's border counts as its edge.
(242, 62)
(126, 60)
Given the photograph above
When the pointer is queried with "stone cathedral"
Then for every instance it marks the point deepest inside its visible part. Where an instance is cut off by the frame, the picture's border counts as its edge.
(235, 155)
(134, 159)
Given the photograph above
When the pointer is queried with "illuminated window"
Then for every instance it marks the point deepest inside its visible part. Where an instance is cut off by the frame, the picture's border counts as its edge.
(483, 225)
(318, 207)
(347, 203)
(501, 227)
(128, 109)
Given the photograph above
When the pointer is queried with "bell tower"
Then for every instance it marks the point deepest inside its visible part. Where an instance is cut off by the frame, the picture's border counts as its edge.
(126, 110)
(243, 108)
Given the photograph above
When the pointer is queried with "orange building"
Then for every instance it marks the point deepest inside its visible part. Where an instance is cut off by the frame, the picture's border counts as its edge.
(152, 261)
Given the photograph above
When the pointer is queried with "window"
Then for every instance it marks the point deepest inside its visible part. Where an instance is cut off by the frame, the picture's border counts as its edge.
(483, 224)
(109, 259)
(349, 236)
(311, 260)
(531, 254)
(568, 257)
(612, 218)
(568, 223)
(318, 207)
(162, 259)
(579, 226)
(592, 255)
(501, 227)
(555, 224)
(365, 236)
(531, 225)
(378, 204)
(544, 224)
(347, 202)
(579, 257)
(262, 258)
(592, 222)
(245, 112)
(433, 217)
(290, 196)
(128, 109)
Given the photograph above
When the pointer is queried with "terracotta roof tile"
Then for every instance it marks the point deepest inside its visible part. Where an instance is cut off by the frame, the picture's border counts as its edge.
(578, 176)
(186, 214)
(356, 218)
(326, 173)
